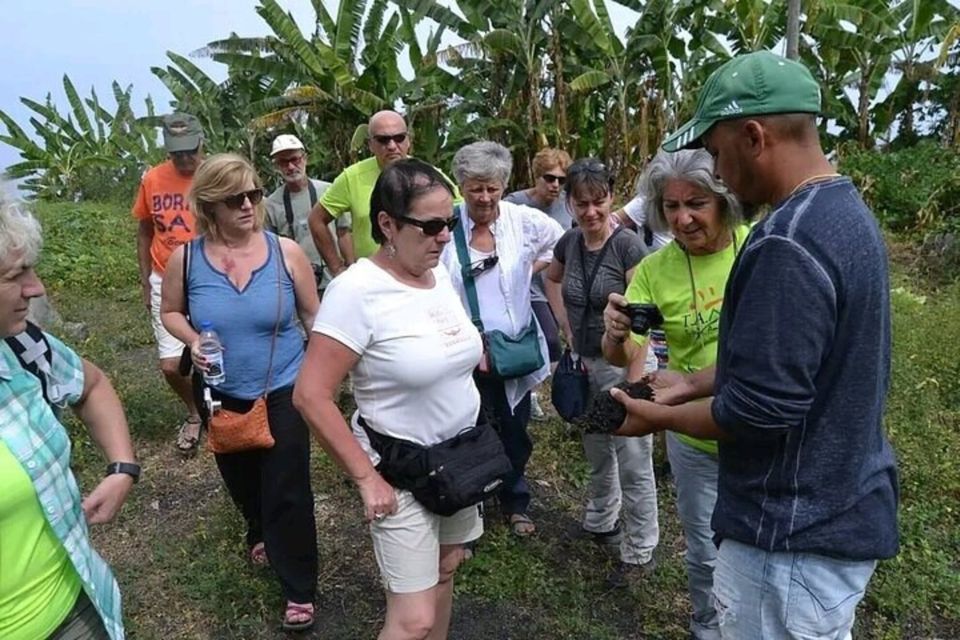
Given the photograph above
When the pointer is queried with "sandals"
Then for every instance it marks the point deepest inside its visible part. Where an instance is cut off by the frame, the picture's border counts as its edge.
(258, 555)
(187, 444)
(297, 617)
(521, 525)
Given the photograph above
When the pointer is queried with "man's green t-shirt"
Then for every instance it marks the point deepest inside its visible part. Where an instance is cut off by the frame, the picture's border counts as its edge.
(351, 191)
(688, 290)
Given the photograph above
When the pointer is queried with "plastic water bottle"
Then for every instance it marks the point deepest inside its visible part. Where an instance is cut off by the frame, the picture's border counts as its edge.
(658, 342)
(212, 351)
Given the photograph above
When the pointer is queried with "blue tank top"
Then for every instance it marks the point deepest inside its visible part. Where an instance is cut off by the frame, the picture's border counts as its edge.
(245, 320)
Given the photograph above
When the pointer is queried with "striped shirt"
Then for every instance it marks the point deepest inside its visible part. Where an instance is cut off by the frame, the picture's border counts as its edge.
(37, 439)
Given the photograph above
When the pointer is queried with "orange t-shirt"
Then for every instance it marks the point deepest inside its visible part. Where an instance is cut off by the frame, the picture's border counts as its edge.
(163, 198)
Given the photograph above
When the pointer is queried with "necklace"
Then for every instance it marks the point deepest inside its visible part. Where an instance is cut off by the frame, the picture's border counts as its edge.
(819, 176)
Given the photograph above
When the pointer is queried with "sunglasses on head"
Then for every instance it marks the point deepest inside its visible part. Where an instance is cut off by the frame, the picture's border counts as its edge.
(478, 267)
(385, 140)
(550, 178)
(433, 226)
(236, 201)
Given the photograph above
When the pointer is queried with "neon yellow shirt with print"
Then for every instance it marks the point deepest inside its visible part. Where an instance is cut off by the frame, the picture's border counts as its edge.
(667, 278)
(38, 584)
(351, 191)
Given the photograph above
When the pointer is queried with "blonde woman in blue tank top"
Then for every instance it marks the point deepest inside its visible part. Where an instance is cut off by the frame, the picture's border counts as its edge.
(254, 287)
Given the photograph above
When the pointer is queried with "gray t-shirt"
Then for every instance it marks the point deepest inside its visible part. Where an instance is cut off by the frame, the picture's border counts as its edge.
(559, 212)
(300, 205)
(625, 251)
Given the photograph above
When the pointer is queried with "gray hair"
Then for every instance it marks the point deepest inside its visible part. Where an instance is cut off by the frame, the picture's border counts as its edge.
(19, 233)
(690, 165)
(484, 160)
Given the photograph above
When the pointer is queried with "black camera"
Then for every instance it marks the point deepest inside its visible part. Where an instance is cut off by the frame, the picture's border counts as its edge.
(643, 317)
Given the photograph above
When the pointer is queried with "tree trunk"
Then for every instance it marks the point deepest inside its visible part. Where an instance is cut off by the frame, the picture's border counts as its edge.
(793, 29)
(559, 93)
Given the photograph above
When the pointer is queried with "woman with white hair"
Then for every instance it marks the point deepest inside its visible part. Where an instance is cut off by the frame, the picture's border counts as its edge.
(54, 584)
(497, 248)
(686, 280)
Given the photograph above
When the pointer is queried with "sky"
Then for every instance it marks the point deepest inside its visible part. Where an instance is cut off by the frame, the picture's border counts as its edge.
(98, 41)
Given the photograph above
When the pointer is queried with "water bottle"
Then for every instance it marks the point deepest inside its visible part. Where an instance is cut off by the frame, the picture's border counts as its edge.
(658, 343)
(212, 352)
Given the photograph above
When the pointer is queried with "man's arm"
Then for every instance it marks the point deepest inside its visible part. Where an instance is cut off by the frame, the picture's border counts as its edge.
(100, 410)
(318, 220)
(145, 233)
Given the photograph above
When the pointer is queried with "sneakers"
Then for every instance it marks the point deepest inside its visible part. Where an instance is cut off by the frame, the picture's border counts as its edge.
(605, 538)
(625, 574)
(536, 413)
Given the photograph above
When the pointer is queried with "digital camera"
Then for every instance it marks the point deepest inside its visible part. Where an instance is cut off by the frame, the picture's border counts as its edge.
(643, 317)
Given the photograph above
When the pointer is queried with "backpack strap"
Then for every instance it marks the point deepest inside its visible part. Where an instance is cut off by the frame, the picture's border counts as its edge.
(288, 206)
(34, 354)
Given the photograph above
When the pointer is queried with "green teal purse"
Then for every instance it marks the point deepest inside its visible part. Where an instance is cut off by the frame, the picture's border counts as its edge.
(504, 356)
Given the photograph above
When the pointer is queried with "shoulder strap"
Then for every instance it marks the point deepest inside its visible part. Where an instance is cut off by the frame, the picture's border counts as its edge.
(288, 206)
(588, 282)
(29, 346)
(463, 254)
(187, 247)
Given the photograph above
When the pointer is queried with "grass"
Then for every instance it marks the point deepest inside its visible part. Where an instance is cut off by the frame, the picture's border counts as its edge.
(178, 550)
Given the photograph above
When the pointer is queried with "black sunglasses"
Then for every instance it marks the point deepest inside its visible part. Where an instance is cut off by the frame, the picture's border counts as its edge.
(433, 226)
(478, 267)
(385, 140)
(550, 178)
(236, 201)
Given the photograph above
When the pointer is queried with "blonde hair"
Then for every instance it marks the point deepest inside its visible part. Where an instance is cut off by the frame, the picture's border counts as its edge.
(218, 177)
(548, 158)
(19, 233)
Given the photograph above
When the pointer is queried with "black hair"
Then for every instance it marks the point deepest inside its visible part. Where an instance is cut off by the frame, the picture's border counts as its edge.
(591, 175)
(402, 182)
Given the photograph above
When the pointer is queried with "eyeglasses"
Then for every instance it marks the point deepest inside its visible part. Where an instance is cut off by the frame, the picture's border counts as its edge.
(433, 226)
(550, 178)
(185, 154)
(478, 267)
(236, 201)
(398, 138)
(282, 162)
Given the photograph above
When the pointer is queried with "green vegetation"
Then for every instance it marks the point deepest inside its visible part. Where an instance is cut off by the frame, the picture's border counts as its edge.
(526, 73)
(178, 550)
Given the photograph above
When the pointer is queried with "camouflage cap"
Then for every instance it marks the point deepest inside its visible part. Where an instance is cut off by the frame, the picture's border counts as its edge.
(181, 132)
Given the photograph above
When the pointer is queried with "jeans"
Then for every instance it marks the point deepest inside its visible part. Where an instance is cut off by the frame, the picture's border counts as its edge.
(621, 471)
(793, 596)
(512, 427)
(82, 623)
(271, 487)
(695, 476)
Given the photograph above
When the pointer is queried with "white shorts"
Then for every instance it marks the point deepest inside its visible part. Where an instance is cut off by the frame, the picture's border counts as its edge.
(407, 543)
(167, 346)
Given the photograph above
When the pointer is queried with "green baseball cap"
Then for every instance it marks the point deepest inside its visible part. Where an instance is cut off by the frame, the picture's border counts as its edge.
(753, 84)
(181, 132)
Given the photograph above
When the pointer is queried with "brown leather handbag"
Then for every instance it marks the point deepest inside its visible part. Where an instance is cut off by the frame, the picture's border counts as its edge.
(231, 431)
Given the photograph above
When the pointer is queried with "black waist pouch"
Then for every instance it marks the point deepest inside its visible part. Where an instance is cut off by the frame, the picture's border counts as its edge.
(449, 476)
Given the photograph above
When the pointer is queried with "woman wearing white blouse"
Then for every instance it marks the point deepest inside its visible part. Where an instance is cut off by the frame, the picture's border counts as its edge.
(395, 324)
(507, 244)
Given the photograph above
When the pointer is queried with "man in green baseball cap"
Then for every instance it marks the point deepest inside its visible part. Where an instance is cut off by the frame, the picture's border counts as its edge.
(807, 485)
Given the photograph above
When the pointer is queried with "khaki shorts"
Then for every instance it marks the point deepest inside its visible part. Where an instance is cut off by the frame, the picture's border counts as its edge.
(167, 346)
(407, 543)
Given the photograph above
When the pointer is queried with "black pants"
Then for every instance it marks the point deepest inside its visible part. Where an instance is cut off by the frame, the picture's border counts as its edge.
(271, 487)
(512, 428)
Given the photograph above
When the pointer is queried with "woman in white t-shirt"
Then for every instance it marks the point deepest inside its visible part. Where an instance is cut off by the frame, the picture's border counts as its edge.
(395, 323)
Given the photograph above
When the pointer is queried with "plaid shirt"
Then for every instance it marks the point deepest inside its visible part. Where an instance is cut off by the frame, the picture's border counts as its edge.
(40, 443)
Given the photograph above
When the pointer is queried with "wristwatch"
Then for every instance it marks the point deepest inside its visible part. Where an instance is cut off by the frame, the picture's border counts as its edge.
(129, 468)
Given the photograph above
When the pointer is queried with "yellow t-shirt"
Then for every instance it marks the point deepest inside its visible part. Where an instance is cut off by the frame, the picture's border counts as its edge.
(691, 320)
(351, 191)
(38, 584)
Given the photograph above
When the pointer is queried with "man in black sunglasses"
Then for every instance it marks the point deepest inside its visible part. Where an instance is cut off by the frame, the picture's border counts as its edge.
(165, 222)
(388, 140)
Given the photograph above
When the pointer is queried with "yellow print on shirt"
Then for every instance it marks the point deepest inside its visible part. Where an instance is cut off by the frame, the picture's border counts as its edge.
(702, 322)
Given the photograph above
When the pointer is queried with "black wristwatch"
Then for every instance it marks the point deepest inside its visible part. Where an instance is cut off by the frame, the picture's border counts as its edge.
(129, 468)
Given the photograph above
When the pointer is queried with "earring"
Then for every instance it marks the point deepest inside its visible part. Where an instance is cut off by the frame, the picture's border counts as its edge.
(391, 250)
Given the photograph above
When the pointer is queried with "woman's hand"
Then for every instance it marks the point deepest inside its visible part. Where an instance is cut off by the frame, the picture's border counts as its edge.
(616, 323)
(199, 361)
(379, 498)
(670, 387)
(103, 504)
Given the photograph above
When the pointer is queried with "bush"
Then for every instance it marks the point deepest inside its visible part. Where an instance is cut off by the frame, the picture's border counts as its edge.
(915, 189)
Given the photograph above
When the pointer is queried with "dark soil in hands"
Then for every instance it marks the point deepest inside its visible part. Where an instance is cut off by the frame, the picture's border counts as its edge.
(606, 414)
